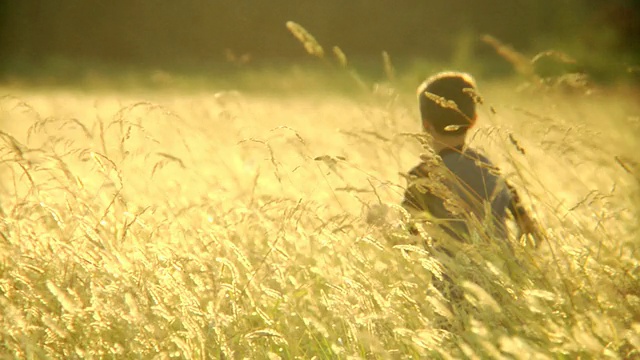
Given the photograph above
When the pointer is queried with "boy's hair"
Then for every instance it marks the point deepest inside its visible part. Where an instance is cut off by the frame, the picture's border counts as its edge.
(446, 103)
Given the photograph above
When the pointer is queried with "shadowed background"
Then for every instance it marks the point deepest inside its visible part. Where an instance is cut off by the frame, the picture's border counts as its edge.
(206, 33)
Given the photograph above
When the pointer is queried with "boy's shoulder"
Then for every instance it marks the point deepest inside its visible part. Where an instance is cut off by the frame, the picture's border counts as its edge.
(450, 158)
(456, 160)
(467, 158)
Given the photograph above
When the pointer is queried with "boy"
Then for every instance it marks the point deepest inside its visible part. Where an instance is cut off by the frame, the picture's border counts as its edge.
(468, 185)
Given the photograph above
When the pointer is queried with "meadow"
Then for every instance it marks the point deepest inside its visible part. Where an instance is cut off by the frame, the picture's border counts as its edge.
(230, 224)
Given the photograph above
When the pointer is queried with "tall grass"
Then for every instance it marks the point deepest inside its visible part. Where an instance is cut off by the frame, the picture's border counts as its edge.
(223, 225)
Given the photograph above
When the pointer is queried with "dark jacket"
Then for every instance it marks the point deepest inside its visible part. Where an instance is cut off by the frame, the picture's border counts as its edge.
(464, 183)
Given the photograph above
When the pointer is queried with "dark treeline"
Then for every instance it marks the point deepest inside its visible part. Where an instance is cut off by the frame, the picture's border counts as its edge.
(164, 32)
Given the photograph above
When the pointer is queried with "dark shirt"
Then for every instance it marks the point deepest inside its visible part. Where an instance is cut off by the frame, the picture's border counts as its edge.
(465, 183)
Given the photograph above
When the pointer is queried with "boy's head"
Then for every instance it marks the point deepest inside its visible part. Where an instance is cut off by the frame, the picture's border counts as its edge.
(446, 106)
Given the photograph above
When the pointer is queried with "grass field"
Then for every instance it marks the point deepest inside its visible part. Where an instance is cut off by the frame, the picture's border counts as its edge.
(231, 224)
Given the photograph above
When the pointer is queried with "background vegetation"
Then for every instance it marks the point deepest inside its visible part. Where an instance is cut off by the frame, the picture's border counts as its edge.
(162, 208)
(70, 39)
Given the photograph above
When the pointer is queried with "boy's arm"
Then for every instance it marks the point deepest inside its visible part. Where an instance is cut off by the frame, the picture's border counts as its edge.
(525, 222)
(414, 196)
(414, 200)
(411, 201)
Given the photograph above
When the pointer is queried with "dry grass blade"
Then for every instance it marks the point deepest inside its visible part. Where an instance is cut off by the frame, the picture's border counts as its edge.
(520, 62)
(630, 166)
(473, 93)
(77, 122)
(340, 56)
(309, 42)
(389, 70)
(14, 145)
(217, 259)
(557, 55)
(516, 143)
(166, 159)
(448, 104)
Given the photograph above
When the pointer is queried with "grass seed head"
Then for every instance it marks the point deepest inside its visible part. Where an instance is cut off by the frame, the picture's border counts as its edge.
(309, 42)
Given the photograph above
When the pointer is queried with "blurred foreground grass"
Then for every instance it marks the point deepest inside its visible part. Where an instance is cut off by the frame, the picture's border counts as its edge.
(230, 224)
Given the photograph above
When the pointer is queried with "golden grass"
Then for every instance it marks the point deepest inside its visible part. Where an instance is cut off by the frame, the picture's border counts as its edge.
(223, 225)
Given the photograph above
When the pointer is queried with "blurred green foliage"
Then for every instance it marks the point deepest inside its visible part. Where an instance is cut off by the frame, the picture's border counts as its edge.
(205, 33)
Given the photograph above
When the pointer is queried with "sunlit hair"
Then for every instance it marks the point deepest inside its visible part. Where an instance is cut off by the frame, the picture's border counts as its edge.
(447, 102)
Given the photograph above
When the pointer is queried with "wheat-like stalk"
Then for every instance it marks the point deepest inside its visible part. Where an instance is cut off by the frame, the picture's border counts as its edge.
(200, 244)
(309, 42)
